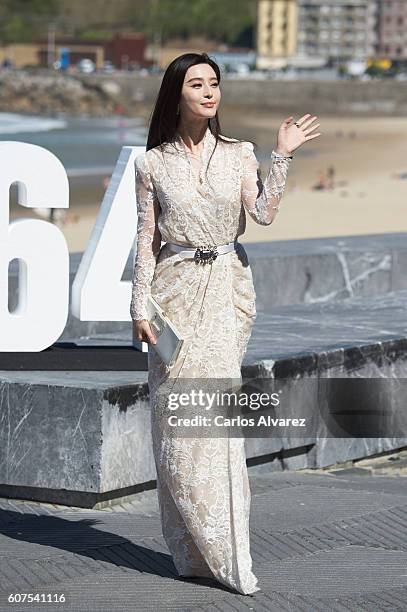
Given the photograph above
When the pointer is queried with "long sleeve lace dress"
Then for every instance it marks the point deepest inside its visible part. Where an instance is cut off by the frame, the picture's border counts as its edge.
(202, 483)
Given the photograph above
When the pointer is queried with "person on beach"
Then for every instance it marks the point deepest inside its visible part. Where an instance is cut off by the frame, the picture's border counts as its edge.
(321, 183)
(331, 177)
(194, 187)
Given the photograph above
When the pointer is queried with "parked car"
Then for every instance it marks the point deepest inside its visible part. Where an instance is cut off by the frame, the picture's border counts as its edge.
(86, 65)
(242, 68)
(108, 66)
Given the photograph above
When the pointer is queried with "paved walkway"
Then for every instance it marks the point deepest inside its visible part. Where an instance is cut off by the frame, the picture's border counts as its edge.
(328, 541)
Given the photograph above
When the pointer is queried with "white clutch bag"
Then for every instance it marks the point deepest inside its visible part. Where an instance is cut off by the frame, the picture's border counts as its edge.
(169, 339)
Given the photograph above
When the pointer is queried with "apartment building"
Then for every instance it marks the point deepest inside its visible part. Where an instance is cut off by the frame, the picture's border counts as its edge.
(276, 32)
(392, 29)
(337, 30)
(316, 32)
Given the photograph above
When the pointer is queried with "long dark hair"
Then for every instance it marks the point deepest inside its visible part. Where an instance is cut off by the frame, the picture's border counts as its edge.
(164, 118)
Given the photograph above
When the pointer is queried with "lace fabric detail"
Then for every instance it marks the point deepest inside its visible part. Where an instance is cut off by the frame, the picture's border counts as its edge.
(148, 239)
(202, 483)
(260, 198)
(188, 181)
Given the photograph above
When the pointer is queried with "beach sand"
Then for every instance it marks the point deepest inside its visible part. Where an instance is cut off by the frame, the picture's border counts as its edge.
(367, 198)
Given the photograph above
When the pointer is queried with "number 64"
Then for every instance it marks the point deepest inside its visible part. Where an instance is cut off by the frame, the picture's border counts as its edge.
(98, 293)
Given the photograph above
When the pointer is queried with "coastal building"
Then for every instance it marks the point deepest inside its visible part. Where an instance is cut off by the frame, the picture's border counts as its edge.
(276, 34)
(392, 30)
(338, 30)
(315, 32)
(124, 50)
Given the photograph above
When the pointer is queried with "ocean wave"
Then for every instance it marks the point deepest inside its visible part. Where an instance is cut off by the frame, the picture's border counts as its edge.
(13, 123)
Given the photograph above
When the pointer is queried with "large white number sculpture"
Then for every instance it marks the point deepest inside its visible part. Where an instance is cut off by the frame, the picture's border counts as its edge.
(98, 293)
(40, 247)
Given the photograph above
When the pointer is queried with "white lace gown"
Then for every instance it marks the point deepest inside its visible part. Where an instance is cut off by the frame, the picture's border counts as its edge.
(202, 483)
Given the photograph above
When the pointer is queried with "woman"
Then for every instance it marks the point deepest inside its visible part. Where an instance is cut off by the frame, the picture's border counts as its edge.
(193, 188)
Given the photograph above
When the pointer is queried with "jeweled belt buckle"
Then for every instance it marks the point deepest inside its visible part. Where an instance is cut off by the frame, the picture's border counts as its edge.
(206, 254)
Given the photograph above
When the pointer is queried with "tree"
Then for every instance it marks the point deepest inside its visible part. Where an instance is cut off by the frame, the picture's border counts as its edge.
(229, 21)
(221, 21)
(25, 20)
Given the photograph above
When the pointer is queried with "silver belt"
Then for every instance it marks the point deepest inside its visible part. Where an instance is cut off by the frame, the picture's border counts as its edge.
(204, 253)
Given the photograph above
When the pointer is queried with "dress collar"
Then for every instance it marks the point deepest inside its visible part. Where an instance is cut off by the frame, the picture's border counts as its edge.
(208, 142)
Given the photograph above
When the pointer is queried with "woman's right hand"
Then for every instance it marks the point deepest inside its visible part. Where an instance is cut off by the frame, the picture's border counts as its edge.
(143, 331)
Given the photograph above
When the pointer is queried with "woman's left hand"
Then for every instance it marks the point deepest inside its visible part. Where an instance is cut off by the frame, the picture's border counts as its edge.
(291, 136)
